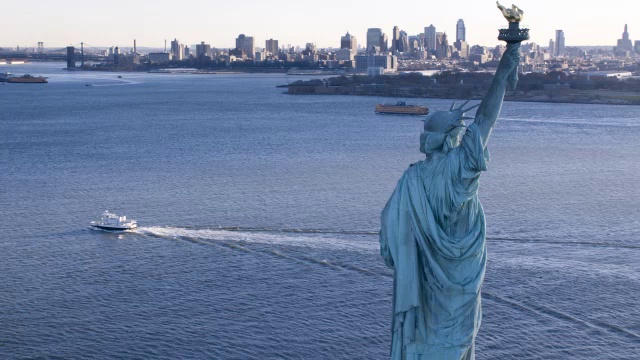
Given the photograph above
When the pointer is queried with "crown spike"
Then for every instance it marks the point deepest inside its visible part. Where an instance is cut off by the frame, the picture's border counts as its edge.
(469, 108)
(463, 104)
(453, 105)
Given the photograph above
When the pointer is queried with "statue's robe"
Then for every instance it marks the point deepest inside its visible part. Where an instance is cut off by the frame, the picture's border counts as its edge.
(433, 236)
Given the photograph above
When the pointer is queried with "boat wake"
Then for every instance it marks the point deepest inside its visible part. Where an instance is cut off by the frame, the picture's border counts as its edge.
(546, 310)
(314, 249)
(342, 251)
(336, 239)
(303, 238)
(572, 123)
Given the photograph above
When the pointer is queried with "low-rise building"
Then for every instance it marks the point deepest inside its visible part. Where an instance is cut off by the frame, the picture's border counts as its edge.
(161, 57)
(387, 62)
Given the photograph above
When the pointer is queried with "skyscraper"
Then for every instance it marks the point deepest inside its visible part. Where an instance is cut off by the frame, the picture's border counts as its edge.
(311, 48)
(463, 48)
(348, 48)
(375, 37)
(404, 41)
(430, 38)
(559, 50)
(246, 43)
(395, 40)
(272, 46)
(442, 46)
(349, 42)
(177, 50)
(384, 47)
(203, 49)
(460, 31)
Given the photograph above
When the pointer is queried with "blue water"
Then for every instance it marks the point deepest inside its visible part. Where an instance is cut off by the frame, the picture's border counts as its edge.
(258, 216)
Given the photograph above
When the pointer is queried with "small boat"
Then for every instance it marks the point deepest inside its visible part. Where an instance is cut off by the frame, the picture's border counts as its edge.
(111, 221)
(401, 107)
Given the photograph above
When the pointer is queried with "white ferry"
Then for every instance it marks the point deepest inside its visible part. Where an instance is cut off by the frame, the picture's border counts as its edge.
(111, 221)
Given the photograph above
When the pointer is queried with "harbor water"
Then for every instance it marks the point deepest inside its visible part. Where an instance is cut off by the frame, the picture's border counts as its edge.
(258, 216)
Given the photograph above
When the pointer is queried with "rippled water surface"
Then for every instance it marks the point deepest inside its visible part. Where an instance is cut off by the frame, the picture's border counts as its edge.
(259, 213)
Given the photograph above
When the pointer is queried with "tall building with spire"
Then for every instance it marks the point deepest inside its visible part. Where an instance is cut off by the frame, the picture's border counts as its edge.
(461, 34)
(348, 48)
(349, 42)
(624, 44)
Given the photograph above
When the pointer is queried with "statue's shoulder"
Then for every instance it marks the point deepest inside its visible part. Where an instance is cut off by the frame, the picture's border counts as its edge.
(415, 165)
(413, 170)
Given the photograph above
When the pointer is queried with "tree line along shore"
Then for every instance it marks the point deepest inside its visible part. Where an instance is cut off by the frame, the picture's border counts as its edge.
(555, 87)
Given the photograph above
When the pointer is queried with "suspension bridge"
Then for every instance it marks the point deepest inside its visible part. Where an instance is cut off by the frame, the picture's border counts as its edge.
(72, 54)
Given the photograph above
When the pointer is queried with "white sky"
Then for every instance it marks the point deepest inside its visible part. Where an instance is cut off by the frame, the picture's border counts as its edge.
(117, 22)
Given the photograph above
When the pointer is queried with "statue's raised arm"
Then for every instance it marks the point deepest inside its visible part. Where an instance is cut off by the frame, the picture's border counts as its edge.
(506, 74)
(491, 105)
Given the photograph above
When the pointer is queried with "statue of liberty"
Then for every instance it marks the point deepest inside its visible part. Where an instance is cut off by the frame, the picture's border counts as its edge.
(433, 227)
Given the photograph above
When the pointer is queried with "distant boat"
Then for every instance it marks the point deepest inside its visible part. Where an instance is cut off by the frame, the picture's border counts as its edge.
(4, 77)
(27, 79)
(111, 221)
(402, 108)
(12, 62)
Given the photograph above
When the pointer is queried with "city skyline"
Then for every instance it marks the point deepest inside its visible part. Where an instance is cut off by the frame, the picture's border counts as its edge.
(72, 21)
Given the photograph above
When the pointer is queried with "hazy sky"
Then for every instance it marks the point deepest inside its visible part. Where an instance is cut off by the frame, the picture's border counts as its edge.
(118, 22)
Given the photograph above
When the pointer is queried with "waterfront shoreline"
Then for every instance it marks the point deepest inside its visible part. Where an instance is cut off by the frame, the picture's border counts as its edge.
(531, 88)
(544, 98)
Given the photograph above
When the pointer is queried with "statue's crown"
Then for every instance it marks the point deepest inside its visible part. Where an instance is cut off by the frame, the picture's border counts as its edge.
(445, 121)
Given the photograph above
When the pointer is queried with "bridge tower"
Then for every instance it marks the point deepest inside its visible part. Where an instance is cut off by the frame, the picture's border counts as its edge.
(71, 57)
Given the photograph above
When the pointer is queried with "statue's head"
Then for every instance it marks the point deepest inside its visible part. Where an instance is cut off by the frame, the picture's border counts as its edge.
(443, 130)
